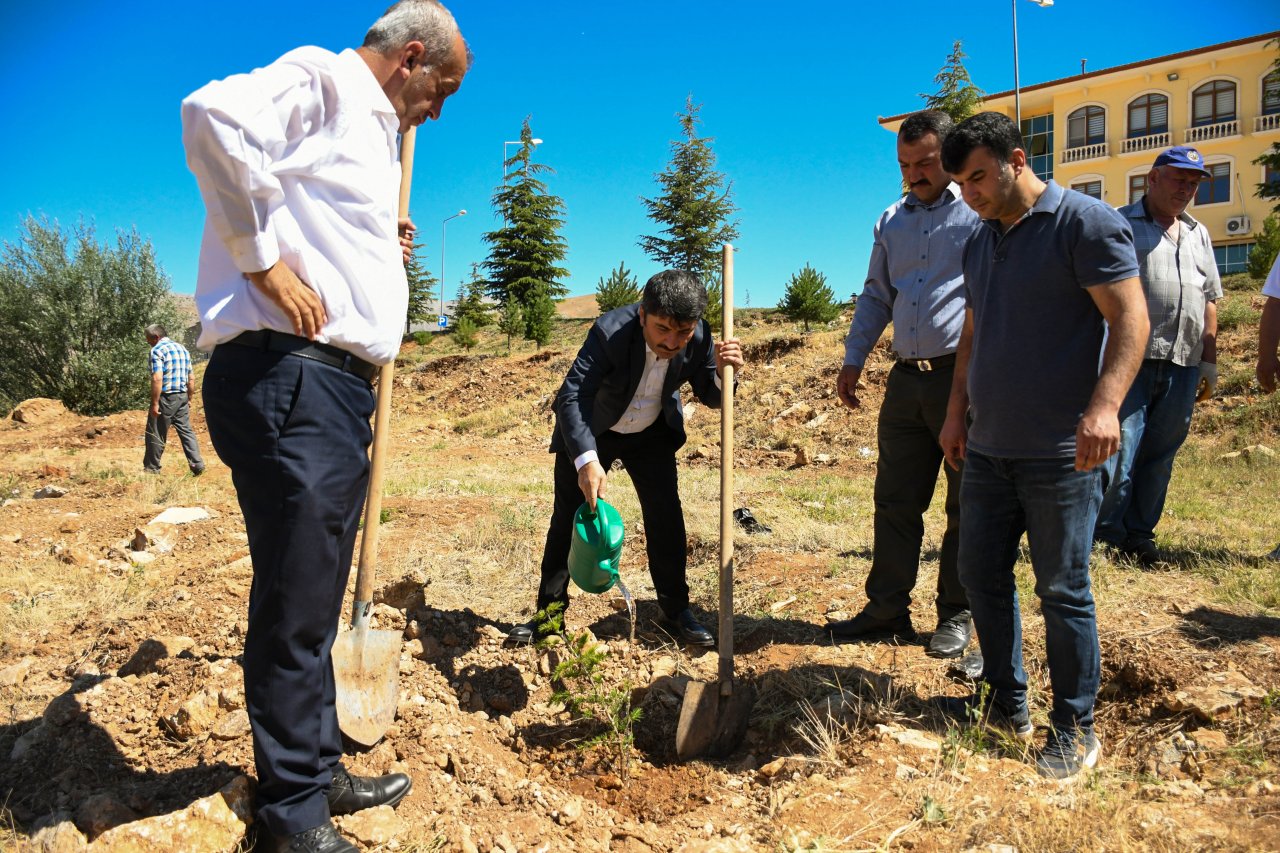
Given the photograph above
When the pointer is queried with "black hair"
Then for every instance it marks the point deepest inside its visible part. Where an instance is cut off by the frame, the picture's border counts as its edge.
(677, 294)
(994, 131)
(925, 122)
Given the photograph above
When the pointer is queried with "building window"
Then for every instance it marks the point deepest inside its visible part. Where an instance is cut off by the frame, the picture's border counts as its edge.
(1213, 103)
(1232, 259)
(1086, 126)
(1089, 188)
(1271, 179)
(1271, 93)
(1216, 188)
(1148, 115)
(1137, 187)
(1037, 136)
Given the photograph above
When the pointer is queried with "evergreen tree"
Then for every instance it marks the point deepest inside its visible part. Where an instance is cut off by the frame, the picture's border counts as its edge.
(808, 299)
(539, 314)
(511, 321)
(957, 96)
(72, 313)
(422, 290)
(524, 254)
(714, 315)
(621, 288)
(1264, 251)
(695, 205)
(464, 333)
(471, 302)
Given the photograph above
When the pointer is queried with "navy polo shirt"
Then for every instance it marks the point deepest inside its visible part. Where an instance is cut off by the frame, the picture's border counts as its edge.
(1037, 334)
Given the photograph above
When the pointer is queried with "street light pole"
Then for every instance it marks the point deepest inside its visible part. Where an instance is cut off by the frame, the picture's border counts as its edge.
(444, 230)
(504, 154)
(1017, 97)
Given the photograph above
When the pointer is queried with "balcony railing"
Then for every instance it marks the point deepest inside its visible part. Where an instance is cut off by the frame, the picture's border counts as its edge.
(1084, 152)
(1262, 123)
(1145, 143)
(1205, 132)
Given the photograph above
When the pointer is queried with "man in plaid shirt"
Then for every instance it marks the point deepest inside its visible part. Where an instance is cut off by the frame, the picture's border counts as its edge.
(1180, 277)
(170, 401)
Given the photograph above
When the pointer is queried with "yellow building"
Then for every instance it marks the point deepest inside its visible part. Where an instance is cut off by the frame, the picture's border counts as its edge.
(1098, 132)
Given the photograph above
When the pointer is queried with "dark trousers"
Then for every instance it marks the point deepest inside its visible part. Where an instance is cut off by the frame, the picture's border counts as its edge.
(914, 408)
(650, 459)
(175, 409)
(295, 434)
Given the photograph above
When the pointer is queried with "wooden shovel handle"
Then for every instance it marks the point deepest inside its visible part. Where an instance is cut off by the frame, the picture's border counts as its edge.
(382, 417)
(726, 482)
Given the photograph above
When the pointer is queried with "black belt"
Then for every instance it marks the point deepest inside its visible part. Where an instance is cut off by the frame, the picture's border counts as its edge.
(267, 339)
(924, 365)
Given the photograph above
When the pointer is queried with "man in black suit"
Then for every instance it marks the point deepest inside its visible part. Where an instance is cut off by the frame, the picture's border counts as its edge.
(621, 401)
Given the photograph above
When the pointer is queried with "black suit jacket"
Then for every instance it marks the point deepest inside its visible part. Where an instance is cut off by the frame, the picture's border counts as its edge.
(606, 373)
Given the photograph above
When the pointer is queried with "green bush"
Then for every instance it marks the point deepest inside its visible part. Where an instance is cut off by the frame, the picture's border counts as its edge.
(422, 338)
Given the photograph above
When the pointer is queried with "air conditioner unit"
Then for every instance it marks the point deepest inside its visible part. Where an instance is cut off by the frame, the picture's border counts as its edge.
(1238, 225)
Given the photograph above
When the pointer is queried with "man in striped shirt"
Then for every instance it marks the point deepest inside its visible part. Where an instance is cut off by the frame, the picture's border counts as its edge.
(170, 401)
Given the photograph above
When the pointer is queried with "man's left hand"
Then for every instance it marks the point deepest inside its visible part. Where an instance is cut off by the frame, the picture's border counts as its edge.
(1208, 381)
(728, 351)
(155, 410)
(407, 231)
(1097, 439)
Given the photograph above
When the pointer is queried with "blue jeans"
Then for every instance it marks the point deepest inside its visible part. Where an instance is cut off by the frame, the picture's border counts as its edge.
(1155, 417)
(1056, 506)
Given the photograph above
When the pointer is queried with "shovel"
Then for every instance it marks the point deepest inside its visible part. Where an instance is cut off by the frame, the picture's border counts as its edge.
(714, 716)
(366, 664)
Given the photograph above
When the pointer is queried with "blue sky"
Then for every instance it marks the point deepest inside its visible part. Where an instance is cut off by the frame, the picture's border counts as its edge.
(791, 93)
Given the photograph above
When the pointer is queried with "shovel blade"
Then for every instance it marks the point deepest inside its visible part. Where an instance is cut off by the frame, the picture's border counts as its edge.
(711, 723)
(366, 668)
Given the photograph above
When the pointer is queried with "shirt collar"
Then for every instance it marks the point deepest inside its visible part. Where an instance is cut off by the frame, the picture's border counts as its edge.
(950, 194)
(1139, 210)
(358, 82)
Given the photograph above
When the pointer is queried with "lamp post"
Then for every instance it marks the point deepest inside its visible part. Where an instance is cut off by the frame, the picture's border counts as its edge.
(444, 229)
(1017, 98)
(504, 154)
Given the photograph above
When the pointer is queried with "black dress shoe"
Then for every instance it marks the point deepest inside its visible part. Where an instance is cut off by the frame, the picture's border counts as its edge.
(321, 839)
(951, 637)
(524, 633)
(864, 626)
(348, 793)
(688, 629)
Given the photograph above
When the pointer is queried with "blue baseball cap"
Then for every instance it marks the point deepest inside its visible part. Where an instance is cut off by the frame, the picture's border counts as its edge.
(1183, 157)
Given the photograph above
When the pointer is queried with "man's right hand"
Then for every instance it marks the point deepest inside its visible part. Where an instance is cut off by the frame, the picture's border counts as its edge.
(299, 303)
(953, 437)
(591, 479)
(847, 385)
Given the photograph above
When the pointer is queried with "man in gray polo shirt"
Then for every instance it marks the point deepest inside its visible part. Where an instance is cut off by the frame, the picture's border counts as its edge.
(914, 280)
(1180, 277)
(1042, 274)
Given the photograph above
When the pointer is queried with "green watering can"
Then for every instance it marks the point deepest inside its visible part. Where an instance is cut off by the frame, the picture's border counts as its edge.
(596, 547)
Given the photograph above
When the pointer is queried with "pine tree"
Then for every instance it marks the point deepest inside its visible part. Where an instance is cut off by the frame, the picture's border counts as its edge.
(1264, 251)
(695, 205)
(525, 252)
(471, 304)
(621, 288)
(422, 290)
(464, 333)
(511, 321)
(957, 96)
(808, 299)
(539, 314)
(714, 315)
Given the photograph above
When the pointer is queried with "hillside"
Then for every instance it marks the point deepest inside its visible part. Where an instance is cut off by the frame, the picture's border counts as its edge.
(119, 666)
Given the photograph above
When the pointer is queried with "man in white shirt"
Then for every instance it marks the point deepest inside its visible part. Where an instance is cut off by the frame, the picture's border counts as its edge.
(302, 294)
(621, 402)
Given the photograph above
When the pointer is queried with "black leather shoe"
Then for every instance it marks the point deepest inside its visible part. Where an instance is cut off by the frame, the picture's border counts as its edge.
(321, 839)
(524, 633)
(951, 637)
(864, 626)
(348, 793)
(687, 627)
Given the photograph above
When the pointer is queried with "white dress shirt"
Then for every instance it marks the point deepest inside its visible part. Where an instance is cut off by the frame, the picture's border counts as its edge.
(298, 162)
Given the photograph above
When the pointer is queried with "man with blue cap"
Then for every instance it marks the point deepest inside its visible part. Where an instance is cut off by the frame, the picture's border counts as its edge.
(1180, 279)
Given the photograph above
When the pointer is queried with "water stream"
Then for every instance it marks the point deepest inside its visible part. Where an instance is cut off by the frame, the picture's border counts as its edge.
(631, 607)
